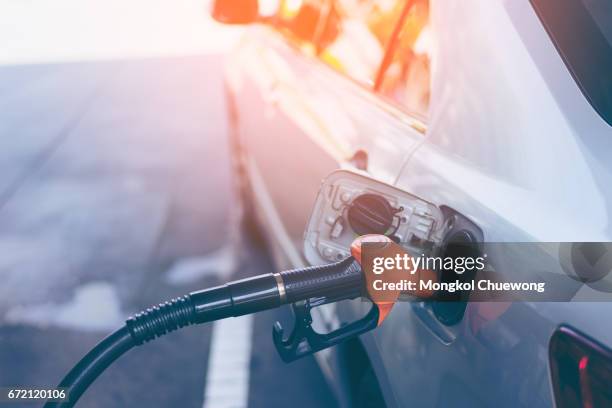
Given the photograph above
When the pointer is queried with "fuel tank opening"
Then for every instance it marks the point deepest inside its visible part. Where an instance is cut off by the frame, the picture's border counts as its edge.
(451, 305)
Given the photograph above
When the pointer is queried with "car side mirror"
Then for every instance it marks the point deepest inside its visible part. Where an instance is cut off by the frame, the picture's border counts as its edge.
(235, 11)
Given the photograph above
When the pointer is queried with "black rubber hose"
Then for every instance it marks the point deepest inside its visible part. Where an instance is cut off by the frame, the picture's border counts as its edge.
(92, 365)
(140, 328)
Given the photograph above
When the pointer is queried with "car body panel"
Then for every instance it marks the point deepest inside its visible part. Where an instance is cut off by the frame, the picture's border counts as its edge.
(523, 164)
(511, 144)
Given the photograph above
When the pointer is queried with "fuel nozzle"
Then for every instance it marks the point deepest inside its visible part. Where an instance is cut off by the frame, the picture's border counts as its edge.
(328, 283)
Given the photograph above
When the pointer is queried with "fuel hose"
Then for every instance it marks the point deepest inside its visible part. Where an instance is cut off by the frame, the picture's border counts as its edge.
(340, 280)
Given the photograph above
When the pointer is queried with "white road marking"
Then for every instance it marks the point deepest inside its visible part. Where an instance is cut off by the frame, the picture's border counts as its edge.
(227, 376)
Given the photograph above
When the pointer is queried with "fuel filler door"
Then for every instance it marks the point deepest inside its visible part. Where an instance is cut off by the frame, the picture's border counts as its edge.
(350, 204)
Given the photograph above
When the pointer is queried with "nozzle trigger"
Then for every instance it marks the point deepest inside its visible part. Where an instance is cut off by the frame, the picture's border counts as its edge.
(304, 340)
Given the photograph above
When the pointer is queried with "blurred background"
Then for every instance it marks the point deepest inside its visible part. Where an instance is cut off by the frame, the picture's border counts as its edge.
(116, 193)
(38, 31)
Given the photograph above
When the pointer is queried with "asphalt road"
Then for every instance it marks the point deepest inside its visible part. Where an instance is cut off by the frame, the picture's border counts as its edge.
(115, 194)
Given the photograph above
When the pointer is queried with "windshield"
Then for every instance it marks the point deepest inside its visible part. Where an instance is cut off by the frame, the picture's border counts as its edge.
(582, 32)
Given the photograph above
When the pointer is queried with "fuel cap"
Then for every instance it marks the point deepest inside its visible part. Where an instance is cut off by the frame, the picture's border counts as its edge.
(370, 214)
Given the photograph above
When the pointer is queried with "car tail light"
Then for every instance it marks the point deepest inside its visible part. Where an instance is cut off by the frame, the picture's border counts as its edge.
(581, 370)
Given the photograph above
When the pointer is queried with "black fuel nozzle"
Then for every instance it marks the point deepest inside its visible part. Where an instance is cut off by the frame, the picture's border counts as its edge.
(319, 285)
(315, 286)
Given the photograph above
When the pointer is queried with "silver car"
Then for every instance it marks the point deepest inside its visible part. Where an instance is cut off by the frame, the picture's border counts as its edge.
(499, 111)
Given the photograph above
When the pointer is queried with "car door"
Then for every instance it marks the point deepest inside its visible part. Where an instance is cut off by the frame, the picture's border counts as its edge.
(303, 86)
(501, 151)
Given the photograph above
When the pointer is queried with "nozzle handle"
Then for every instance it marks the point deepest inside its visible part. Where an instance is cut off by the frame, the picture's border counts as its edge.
(340, 280)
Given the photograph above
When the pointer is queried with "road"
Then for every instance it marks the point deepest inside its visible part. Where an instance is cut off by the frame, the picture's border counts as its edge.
(115, 194)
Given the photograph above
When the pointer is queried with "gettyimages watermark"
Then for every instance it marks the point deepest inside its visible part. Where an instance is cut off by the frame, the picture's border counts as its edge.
(534, 272)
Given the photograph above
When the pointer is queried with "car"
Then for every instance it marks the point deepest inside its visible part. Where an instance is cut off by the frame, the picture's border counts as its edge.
(498, 111)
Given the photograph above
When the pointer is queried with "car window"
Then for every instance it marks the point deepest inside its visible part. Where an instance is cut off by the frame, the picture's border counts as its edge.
(385, 45)
(404, 76)
(582, 32)
(382, 44)
(358, 32)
